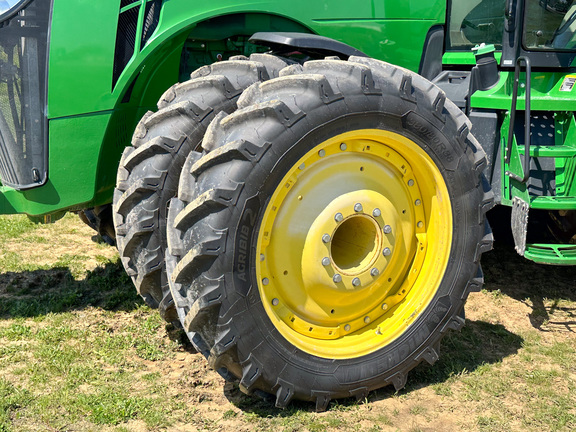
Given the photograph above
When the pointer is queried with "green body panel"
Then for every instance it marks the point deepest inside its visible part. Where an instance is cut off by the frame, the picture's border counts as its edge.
(545, 96)
(90, 121)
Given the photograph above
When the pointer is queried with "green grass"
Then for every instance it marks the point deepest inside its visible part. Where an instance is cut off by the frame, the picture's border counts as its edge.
(80, 351)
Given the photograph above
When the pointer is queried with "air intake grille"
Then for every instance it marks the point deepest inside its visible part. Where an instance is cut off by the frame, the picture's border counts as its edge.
(23, 124)
(151, 20)
(125, 41)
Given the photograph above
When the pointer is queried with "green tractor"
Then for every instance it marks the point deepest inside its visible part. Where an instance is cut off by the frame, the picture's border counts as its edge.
(308, 201)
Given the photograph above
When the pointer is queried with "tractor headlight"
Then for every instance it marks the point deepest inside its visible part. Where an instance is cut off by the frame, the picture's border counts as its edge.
(9, 8)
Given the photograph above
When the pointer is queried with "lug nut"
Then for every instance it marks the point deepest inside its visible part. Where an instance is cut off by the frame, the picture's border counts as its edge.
(358, 207)
(367, 320)
(338, 217)
(410, 182)
(386, 252)
(418, 202)
(356, 282)
(387, 229)
(265, 281)
(337, 278)
(374, 272)
(343, 147)
(376, 212)
(325, 261)
(347, 327)
(275, 302)
(322, 153)
(326, 238)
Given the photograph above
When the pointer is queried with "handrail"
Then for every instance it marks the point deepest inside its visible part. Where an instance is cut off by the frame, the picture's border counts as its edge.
(526, 164)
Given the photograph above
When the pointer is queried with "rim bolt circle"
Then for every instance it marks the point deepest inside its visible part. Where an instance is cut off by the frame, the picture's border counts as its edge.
(338, 217)
(337, 278)
(374, 272)
(356, 282)
(326, 238)
(386, 252)
(358, 207)
(325, 261)
(387, 229)
(376, 212)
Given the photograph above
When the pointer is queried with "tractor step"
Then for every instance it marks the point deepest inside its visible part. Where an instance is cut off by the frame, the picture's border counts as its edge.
(553, 202)
(550, 151)
(556, 254)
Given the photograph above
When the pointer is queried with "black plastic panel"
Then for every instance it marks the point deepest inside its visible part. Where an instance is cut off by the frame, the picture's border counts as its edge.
(23, 74)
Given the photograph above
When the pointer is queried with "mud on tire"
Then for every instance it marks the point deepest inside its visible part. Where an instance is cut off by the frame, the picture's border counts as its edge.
(150, 167)
(330, 233)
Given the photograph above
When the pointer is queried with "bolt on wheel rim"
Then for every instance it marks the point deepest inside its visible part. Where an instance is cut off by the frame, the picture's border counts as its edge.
(355, 242)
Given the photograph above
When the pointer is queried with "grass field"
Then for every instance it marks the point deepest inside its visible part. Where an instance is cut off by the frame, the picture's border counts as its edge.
(79, 351)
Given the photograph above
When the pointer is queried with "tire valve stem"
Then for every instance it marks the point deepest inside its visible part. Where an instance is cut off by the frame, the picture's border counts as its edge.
(337, 278)
(358, 207)
(326, 238)
(378, 331)
(325, 261)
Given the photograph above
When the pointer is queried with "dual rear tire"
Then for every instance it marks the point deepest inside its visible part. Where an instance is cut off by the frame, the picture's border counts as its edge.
(329, 233)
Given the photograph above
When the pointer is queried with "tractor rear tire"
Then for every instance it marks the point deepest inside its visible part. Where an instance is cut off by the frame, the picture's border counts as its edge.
(330, 233)
(149, 168)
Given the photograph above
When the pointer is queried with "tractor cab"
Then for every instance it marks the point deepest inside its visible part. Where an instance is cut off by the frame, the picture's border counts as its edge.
(519, 95)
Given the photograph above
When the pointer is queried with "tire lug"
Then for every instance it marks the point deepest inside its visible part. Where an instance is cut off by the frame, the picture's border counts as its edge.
(325, 261)
(376, 212)
(374, 272)
(387, 229)
(386, 252)
(338, 217)
(326, 238)
(337, 278)
(358, 207)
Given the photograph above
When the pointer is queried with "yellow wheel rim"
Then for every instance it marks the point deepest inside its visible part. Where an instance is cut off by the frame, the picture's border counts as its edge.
(353, 243)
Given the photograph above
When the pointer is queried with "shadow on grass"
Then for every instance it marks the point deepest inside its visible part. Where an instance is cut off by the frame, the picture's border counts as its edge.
(544, 288)
(39, 292)
(479, 343)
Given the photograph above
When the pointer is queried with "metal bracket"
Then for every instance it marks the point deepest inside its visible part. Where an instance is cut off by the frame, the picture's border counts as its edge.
(519, 222)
